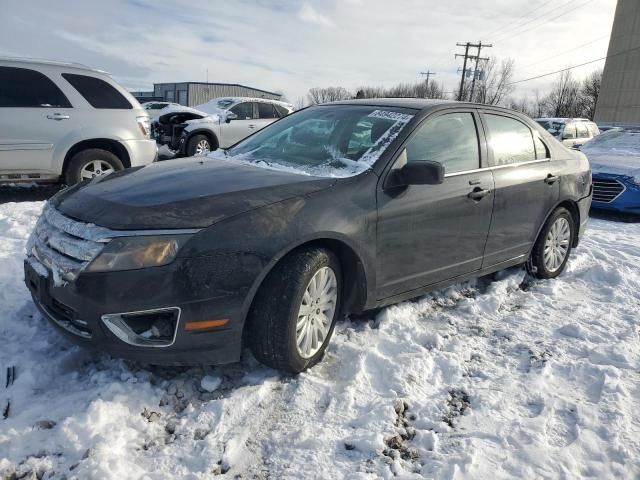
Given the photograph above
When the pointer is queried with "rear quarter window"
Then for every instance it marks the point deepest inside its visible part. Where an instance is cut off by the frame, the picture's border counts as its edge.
(97, 92)
(23, 87)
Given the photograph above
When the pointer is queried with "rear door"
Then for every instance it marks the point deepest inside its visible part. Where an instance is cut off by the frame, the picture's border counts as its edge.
(35, 115)
(240, 127)
(526, 186)
(430, 233)
(266, 114)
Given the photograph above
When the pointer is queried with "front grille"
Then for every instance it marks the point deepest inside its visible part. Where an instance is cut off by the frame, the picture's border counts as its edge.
(606, 190)
(65, 246)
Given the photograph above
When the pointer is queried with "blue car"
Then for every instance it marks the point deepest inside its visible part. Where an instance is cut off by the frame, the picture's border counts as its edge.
(615, 164)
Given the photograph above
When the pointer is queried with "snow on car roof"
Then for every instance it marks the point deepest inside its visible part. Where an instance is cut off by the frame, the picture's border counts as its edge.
(212, 106)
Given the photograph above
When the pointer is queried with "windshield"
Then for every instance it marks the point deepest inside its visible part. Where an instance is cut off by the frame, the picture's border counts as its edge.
(224, 104)
(327, 141)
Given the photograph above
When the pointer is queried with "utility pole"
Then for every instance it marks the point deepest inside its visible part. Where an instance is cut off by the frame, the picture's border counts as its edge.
(475, 70)
(427, 74)
(464, 67)
(467, 57)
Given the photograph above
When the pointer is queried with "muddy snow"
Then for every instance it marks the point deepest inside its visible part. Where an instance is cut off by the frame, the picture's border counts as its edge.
(503, 377)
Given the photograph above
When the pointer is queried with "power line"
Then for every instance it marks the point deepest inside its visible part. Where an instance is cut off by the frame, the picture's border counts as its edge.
(516, 33)
(566, 51)
(515, 27)
(522, 17)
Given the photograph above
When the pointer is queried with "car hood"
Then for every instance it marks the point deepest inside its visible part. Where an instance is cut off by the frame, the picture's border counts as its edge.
(185, 193)
(622, 163)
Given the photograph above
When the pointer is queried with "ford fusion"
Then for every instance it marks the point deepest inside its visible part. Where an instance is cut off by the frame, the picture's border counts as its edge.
(335, 209)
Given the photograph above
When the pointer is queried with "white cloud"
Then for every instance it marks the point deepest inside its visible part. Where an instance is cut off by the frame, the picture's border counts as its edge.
(309, 14)
(270, 45)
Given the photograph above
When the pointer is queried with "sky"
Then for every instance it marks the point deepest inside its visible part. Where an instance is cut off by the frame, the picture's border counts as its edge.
(290, 46)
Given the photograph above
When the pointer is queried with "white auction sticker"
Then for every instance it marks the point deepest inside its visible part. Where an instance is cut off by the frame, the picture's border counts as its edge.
(396, 116)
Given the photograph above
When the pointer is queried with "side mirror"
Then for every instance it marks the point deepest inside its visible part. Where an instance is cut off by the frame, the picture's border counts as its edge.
(230, 116)
(421, 172)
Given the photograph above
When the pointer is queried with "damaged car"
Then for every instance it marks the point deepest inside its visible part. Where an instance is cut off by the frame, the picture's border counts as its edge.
(338, 208)
(218, 123)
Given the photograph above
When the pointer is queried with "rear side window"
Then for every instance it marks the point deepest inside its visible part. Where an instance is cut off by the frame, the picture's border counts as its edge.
(265, 110)
(283, 112)
(569, 132)
(450, 139)
(97, 92)
(22, 87)
(593, 129)
(582, 130)
(510, 140)
(244, 110)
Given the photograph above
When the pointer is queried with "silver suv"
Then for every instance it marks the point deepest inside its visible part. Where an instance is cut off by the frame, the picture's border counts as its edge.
(67, 122)
(572, 132)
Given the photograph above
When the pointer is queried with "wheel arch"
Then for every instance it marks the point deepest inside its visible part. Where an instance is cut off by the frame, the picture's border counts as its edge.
(572, 207)
(113, 146)
(215, 144)
(355, 280)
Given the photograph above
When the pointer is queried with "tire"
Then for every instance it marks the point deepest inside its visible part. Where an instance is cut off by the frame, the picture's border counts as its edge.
(79, 168)
(274, 316)
(543, 267)
(198, 141)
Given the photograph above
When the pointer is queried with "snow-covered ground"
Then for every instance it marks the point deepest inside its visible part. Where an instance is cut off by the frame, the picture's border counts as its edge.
(497, 378)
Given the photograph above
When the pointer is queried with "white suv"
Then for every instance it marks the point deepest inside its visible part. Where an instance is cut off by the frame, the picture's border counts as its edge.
(67, 122)
(572, 132)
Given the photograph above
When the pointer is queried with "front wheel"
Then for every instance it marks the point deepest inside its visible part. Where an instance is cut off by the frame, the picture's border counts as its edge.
(198, 145)
(553, 246)
(294, 313)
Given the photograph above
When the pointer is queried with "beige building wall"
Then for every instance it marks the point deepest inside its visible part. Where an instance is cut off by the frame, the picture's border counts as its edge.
(619, 100)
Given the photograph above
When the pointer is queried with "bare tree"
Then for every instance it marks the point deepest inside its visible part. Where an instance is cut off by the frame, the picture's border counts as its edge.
(563, 100)
(495, 85)
(328, 94)
(589, 92)
(404, 90)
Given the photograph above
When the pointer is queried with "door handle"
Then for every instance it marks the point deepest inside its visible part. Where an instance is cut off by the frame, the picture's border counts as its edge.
(57, 116)
(478, 193)
(252, 126)
(551, 179)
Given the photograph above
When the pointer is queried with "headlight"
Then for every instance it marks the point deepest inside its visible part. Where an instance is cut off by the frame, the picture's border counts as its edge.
(130, 253)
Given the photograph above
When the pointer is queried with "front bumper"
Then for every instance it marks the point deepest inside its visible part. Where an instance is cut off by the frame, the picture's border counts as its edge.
(77, 309)
(627, 201)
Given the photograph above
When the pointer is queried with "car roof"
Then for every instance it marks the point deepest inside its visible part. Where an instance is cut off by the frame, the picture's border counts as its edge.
(417, 103)
(49, 63)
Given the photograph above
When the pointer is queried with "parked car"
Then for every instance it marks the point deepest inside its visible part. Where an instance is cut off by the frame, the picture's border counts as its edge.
(337, 208)
(61, 121)
(572, 132)
(615, 163)
(155, 109)
(218, 123)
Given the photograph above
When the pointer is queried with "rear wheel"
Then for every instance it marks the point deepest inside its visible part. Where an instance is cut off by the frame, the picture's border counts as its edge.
(553, 246)
(294, 313)
(91, 163)
(198, 145)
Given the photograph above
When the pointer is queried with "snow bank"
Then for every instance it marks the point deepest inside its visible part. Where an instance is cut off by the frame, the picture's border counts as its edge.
(502, 378)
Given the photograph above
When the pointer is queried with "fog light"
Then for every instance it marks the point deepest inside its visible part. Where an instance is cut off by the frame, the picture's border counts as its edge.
(149, 328)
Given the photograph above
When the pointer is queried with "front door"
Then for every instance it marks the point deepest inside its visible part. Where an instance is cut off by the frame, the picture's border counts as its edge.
(526, 187)
(240, 127)
(34, 116)
(431, 233)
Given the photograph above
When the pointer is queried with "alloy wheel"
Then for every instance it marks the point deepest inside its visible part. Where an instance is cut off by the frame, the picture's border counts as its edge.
(556, 245)
(202, 148)
(95, 168)
(316, 312)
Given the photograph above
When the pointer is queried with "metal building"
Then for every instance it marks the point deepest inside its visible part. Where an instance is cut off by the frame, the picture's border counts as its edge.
(619, 100)
(197, 93)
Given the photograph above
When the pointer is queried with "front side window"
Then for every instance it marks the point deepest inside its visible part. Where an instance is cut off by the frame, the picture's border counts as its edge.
(97, 92)
(327, 141)
(569, 132)
(243, 110)
(23, 87)
(450, 139)
(511, 140)
(265, 110)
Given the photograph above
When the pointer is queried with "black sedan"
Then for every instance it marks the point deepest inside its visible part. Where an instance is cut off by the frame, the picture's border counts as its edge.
(334, 209)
